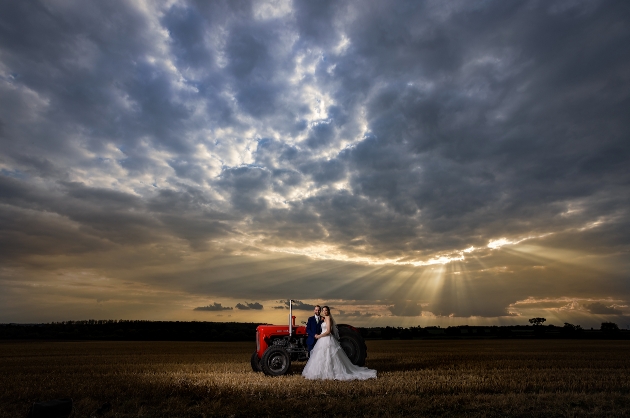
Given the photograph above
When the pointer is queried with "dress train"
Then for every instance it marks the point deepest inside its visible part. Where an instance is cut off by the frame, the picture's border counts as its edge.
(328, 361)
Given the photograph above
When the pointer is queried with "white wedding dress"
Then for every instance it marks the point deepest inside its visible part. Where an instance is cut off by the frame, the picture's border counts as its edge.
(329, 361)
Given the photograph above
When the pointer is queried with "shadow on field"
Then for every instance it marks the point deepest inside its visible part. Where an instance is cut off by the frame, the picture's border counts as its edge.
(381, 365)
(387, 365)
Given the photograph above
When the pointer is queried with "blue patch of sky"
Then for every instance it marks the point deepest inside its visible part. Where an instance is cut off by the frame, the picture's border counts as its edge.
(16, 174)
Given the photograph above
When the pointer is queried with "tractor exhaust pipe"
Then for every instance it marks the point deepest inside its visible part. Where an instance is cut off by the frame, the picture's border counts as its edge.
(290, 318)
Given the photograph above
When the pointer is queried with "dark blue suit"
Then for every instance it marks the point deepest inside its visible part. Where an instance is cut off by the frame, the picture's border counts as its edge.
(312, 328)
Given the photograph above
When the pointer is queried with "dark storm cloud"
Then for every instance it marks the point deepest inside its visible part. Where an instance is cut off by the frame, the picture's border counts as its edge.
(405, 308)
(104, 217)
(83, 68)
(246, 306)
(601, 309)
(475, 158)
(366, 130)
(325, 172)
(247, 187)
(214, 307)
(299, 305)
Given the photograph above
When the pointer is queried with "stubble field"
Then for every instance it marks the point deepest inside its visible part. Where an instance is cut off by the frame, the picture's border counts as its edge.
(415, 378)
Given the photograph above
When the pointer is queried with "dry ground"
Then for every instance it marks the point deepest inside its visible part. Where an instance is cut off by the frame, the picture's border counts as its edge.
(415, 378)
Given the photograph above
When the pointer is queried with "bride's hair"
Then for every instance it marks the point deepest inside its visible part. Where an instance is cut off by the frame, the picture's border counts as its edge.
(333, 324)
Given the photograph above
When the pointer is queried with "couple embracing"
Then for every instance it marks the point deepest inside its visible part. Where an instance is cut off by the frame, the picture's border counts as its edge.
(327, 360)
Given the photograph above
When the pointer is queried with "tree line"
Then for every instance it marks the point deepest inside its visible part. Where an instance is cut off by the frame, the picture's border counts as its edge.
(131, 330)
(138, 330)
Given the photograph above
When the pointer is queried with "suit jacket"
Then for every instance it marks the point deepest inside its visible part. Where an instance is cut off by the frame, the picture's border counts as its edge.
(312, 328)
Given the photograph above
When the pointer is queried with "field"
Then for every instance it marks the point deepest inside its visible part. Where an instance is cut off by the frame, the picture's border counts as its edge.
(415, 378)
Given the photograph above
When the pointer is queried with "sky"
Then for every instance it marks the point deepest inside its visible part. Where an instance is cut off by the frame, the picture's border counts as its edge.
(409, 163)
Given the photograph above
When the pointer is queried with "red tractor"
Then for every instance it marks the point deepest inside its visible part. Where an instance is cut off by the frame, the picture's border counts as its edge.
(278, 345)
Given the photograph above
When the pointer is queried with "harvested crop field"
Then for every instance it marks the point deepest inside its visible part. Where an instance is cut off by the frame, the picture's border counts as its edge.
(415, 378)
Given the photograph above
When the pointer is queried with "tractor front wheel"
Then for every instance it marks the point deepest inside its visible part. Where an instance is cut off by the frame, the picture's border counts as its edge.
(255, 363)
(276, 361)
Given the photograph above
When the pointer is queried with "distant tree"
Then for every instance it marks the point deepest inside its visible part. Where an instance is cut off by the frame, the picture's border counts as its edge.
(388, 333)
(406, 334)
(571, 328)
(609, 327)
(537, 321)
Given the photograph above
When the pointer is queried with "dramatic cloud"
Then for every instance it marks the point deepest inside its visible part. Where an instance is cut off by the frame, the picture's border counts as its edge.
(405, 308)
(298, 305)
(214, 307)
(254, 305)
(434, 161)
(601, 309)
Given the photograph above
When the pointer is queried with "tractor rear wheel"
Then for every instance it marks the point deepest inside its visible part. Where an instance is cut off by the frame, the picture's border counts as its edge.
(255, 363)
(276, 361)
(353, 344)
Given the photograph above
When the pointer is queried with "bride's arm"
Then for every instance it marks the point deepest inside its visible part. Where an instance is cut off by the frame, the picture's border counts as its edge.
(323, 334)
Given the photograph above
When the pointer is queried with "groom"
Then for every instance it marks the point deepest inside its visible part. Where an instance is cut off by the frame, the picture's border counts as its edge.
(313, 327)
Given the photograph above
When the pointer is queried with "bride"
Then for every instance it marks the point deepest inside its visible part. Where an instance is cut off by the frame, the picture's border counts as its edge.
(328, 360)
